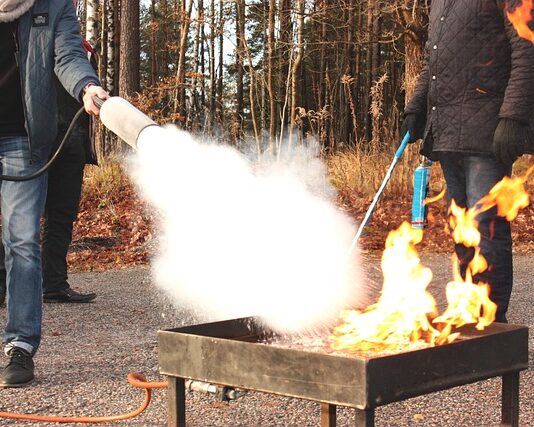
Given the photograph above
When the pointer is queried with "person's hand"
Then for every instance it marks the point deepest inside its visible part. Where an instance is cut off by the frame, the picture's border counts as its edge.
(414, 124)
(88, 102)
(510, 140)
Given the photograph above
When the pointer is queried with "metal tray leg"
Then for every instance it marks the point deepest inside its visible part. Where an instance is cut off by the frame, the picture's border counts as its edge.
(365, 418)
(328, 415)
(176, 402)
(510, 400)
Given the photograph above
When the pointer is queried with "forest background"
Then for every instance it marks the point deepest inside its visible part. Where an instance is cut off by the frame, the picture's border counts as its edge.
(257, 73)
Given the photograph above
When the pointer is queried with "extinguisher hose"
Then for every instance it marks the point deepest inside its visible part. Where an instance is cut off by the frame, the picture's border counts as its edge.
(52, 159)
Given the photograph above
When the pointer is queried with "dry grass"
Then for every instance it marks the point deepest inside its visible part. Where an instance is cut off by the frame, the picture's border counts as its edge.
(105, 186)
(105, 181)
(360, 171)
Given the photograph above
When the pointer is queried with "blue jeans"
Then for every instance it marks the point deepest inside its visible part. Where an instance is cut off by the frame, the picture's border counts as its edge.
(22, 205)
(468, 179)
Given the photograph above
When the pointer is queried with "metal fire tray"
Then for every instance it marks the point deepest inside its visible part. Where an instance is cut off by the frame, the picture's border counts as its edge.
(233, 353)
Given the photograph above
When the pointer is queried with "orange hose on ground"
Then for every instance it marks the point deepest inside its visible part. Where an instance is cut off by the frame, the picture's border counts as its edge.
(135, 379)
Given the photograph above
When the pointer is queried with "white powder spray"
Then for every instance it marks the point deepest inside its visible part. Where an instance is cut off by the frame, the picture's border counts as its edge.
(244, 239)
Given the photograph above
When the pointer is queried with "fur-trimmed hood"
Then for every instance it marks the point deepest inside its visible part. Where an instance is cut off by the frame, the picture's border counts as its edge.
(13, 9)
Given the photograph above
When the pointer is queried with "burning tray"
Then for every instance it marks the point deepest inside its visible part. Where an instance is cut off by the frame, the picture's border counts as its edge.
(234, 353)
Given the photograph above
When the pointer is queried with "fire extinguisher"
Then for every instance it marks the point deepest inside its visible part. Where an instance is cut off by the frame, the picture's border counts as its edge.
(421, 181)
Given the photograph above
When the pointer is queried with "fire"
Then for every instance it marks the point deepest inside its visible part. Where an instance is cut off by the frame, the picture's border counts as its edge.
(520, 18)
(402, 313)
(430, 200)
(468, 302)
(464, 225)
(508, 195)
(406, 312)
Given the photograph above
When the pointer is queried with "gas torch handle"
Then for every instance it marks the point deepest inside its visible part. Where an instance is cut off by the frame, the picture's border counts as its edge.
(403, 145)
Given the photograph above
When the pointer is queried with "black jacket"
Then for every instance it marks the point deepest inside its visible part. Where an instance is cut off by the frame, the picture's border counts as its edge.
(477, 70)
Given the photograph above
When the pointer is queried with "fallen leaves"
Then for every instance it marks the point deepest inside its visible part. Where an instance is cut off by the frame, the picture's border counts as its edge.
(118, 233)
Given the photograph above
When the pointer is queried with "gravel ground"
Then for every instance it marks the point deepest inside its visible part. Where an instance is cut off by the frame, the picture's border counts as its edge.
(88, 350)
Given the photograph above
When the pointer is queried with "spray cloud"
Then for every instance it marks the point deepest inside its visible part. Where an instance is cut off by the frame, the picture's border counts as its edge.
(242, 238)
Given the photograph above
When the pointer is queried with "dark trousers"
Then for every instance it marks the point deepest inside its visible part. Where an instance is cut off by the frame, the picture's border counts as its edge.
(468, 179)
(62, 205)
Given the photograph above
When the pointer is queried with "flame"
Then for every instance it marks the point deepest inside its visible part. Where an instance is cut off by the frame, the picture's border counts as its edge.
(508, 195)
(520, 17)
(464, 226)
(430, 200)
(406, 312)
(402, 313)
(468, 302)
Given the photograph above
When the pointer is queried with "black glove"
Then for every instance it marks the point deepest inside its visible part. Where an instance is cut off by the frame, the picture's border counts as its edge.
(510, 140)
(414, 124)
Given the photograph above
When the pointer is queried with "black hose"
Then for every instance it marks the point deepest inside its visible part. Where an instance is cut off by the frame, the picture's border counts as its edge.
(52, 159)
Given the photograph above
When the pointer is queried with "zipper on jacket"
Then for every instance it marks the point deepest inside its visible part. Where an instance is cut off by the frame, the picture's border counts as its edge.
(22, 94)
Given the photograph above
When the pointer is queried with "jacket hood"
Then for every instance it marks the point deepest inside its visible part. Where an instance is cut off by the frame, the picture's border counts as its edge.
(13, 9)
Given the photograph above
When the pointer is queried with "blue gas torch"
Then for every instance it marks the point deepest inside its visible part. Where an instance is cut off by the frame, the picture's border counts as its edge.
(421, 181)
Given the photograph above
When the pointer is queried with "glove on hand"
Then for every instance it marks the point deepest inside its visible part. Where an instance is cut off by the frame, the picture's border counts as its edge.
(510, 140)
(415, 125)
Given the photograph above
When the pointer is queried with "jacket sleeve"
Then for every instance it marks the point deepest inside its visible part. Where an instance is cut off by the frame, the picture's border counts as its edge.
(71, 64)
(518, 101)
(418, 101)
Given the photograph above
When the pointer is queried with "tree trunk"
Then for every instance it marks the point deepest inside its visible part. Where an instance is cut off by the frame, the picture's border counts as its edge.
(116, 44)
(212, 71)
(373, 60)
(110, 50)
(295, 68)
(195, 109)
(129, 78)
(322, 55)
(284, 58)
(153, 43)
(322, 120)
(166, 19)
(103, 41)
(202, 37)
(265, 62)
(240, 53)
(348, 108)
(91, 23)
(179, 100)
(271, 86)
(220, 74)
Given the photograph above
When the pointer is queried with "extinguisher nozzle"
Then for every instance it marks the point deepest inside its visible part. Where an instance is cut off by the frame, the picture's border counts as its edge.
(124, 120)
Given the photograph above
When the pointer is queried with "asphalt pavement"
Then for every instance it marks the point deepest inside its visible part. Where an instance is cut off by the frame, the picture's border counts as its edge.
(88, 350)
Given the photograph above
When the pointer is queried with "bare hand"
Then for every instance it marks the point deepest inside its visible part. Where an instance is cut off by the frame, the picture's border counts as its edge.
(88, 103)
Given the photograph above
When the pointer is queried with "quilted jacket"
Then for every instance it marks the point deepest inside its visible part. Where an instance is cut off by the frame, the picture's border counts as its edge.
(477, 70)
(49, 42)
(82, 132)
